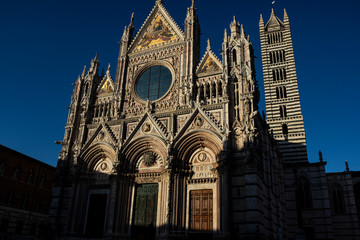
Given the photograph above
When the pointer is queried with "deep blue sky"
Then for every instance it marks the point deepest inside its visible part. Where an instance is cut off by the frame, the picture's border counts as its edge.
(45, 44)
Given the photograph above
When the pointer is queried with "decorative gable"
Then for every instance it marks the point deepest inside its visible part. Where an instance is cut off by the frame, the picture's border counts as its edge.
(159, 29)
(157, 33)
(102, 134)
(200, 119)
(148, 125)
(106, 85)
(210, 64)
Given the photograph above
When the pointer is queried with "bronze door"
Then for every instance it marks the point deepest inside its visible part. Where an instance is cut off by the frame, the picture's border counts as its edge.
(201, 210)
(146, 198)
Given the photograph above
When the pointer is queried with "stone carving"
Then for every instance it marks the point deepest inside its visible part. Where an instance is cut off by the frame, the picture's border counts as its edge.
(146, 127)
(202, 157)
(149, 159)
(198, 121)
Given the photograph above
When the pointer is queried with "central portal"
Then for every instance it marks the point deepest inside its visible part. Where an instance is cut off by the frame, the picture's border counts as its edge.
(146, 198)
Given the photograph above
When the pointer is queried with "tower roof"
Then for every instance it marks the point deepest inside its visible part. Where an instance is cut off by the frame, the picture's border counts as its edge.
(274, 22)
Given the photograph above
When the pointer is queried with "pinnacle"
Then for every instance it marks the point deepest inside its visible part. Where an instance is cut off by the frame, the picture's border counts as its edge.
(208, 48)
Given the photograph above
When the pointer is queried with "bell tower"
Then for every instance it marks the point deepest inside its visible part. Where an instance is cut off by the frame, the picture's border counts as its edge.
(282, 98)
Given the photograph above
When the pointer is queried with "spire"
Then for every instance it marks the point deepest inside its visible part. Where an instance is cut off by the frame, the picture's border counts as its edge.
(124, 36)
(261, 21)
(285, 15)
(132, 19)
(242, 30)
(158, 2)
(234, 28)
(208, 48)
(84, 71)
(347, 166)
(286, 18)
(108, 70)
(96, 58)
(225, 35)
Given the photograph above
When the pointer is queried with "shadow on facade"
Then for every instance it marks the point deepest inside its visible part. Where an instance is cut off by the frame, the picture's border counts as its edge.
(90, 217)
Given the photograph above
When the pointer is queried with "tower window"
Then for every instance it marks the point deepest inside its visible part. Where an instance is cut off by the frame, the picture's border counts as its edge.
(285, 129)
(281, 92)
(283, 112)
(277, 56)
(274, 38)
(279, 74)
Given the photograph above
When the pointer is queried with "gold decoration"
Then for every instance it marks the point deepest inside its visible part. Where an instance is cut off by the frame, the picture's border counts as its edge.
(157, 33)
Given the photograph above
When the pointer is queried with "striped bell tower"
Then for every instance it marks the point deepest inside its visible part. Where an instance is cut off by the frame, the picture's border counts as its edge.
(282, 98)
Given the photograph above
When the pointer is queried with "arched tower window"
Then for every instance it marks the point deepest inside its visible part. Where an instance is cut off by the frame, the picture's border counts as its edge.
(234, 56)
(283, 112)
(337, 199)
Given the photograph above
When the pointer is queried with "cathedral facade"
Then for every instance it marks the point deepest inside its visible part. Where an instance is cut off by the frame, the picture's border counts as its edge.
(174, 146)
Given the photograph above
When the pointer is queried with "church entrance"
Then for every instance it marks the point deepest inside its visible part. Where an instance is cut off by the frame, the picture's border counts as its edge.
(96, 215)
(201, 210)
(145, 210)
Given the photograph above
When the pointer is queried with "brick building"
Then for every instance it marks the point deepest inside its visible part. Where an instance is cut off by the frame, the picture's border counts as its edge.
(25, 194)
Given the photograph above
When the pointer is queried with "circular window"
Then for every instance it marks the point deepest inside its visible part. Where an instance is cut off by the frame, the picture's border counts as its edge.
(153, 83)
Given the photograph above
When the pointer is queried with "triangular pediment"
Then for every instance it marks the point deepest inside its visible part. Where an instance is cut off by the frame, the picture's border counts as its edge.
(147, 126)
(200, 120)
(106, 86)
(102, 134)
(158, 29)
(209, 64)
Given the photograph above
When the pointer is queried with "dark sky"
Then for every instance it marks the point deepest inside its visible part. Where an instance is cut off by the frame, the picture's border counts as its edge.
(45, 44)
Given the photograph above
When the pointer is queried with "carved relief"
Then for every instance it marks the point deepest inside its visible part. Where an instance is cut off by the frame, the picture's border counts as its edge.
(198, 121)
(130, 128)
(181, 121)
(146, 127)
(116, 131)
(164, 122)
(216, 116)
(149, 161)
(103, 166)
(202, 165)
